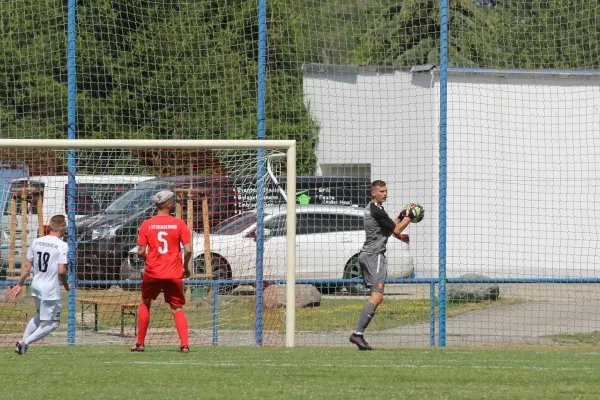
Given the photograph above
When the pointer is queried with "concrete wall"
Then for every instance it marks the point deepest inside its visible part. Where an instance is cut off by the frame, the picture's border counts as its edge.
(523, 152)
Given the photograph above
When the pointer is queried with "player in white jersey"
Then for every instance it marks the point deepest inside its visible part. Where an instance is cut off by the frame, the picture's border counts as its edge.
(47, 256)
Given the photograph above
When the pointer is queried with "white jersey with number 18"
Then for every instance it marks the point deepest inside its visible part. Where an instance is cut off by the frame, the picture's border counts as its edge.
(46, 253)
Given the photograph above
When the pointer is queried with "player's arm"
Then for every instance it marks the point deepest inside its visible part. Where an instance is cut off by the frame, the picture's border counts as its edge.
(186, 240)
(403, 220)
(395, 226)
(142, 242)
(25, 270)
(187, 256)
(400, 225)
(63, 276)
(142, 252)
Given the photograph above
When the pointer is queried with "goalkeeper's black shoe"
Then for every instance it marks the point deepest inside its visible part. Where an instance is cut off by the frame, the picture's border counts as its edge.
(184, 349)
(360, 342)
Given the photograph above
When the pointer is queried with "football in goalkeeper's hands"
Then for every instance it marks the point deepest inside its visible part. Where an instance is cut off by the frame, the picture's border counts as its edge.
(415, 212)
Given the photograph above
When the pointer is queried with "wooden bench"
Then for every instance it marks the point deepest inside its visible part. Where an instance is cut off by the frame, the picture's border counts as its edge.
(130, 308)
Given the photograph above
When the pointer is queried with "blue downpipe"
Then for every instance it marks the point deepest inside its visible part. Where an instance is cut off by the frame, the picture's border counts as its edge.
(443, 165)
(260, 238)
(432, 314)
(71, 164)
(215, 313)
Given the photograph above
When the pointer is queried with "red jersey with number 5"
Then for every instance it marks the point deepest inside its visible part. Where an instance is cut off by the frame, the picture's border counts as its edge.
(163, 235)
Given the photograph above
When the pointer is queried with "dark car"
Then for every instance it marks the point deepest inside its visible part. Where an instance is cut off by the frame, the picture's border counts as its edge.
(104, 240)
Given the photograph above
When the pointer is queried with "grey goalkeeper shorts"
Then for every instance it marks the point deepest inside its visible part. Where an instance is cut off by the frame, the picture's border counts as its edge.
(374, 270)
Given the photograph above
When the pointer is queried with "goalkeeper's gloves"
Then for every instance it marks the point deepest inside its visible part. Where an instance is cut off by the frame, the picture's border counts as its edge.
(407, 212)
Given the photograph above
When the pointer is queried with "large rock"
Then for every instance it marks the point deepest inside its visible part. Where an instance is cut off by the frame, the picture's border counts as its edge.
(306, 296)
(472, 292)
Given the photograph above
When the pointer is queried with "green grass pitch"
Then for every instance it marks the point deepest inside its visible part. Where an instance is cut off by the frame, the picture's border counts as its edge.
(112, 372)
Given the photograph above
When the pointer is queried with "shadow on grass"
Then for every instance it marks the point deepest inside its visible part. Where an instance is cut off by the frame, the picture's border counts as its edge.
(576, 338)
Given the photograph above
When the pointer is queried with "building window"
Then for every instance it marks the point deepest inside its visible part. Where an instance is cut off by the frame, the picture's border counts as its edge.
(358, 170)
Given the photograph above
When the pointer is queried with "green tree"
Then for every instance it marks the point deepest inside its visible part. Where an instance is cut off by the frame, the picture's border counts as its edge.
(178, 69)
(33, 91)
(188, 70)
(526, 34)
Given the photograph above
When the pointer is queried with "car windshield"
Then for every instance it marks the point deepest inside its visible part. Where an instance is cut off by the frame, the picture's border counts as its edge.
(236, 224)
(93, 198)
(138, 198)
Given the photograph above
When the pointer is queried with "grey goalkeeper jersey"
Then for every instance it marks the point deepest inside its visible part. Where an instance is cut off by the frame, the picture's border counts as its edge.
(378, 228)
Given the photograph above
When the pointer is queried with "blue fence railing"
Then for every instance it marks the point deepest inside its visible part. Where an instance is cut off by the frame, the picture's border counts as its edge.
(434, 334)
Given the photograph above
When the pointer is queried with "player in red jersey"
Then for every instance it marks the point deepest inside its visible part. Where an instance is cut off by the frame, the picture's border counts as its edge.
(159, 241)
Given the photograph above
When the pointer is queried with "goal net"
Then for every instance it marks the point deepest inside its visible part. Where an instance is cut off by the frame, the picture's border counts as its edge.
(483, 111)
(105, 188)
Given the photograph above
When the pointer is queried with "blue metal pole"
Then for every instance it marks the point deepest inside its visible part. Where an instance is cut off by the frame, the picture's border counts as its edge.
(260, 238)
(432, 314)
(215, 313)
(443, 165)
(72, 121)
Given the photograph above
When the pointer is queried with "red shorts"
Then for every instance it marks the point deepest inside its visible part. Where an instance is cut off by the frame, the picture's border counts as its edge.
(172, 288)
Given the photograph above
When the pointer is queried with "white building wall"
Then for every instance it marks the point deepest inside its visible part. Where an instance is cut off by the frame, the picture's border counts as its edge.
(522, 162)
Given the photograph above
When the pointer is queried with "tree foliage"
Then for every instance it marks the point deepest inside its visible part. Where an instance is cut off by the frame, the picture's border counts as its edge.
(147, 69)
(525, 34)
(187, 69)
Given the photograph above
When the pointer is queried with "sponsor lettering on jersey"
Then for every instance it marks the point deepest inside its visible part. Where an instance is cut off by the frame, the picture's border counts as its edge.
(151, 227)
(46, 244)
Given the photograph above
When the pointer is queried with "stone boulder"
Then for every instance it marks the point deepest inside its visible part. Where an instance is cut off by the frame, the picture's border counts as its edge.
(306, 296)
(472, 292)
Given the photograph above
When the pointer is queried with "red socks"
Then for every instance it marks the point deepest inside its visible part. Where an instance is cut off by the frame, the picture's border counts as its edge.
(143, 321)
(182, 327)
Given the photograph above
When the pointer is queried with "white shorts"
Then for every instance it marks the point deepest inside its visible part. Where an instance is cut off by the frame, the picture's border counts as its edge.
(49, 309)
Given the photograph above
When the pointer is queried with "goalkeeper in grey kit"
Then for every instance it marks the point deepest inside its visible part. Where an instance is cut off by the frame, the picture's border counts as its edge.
(373, 263)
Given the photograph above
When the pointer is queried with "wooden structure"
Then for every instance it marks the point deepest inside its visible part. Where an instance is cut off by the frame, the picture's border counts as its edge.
(24, 195)
(187, 195)
(129, 308)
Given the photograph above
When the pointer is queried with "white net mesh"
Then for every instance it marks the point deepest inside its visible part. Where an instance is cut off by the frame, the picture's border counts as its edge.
(357, 84)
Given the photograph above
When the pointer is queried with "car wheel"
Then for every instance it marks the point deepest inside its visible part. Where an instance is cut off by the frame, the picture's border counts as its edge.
(221, 270)
(352, 271)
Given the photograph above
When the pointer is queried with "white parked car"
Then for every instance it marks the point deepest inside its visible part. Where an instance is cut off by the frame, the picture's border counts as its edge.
(328, 240)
